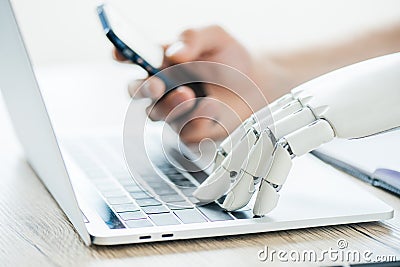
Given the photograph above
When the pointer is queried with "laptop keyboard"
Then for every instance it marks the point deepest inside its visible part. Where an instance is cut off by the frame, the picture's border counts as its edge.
(155, 200)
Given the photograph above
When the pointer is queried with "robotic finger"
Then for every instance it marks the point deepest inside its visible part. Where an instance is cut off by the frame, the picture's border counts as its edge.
(294, 144)
(264, 118)
(257, 162)
(353, 102)
(267, 196)
(219, 182)
(271, 161)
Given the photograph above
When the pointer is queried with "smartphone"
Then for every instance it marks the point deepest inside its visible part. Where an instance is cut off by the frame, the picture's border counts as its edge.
(134, 46)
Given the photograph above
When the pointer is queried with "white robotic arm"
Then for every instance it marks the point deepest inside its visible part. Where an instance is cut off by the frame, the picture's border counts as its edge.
(353, 102)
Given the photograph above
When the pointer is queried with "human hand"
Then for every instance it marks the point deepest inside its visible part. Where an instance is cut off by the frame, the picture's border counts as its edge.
(224, 108)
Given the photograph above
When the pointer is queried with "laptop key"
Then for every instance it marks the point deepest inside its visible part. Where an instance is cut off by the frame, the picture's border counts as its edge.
(190, 216)
(170, 171)
(144, 202)
(165, 191)
(132, 215)
(164, 219)
(243, 214)
(172, 198)
(114, 193)
(133, 188)
(180, 205)
(107, 186)
(125, 207)
(139, 195)
(214, 212)
(184, 184)
(151, 178)
(188, 191)
(118, 200)
(138, 223)
(155, 209)
(158, 184)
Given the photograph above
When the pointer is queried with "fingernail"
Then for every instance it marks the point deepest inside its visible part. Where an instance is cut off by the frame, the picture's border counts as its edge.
(174, 48)
(146, 92)
(178, 99)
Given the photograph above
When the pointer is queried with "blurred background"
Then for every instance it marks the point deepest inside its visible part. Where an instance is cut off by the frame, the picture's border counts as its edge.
(58, 32)
(84, 87)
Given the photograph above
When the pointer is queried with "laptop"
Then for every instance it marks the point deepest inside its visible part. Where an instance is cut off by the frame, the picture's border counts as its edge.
(109, 203)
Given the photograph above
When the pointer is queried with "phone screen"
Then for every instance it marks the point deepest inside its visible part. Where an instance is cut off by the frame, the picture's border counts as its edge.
(137, 47)
(127, 31)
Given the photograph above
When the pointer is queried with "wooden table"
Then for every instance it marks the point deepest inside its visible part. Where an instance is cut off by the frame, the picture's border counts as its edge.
(35, 232)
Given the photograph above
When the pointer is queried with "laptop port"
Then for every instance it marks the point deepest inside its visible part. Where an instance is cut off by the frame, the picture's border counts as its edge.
(167, 235)
(145, 237)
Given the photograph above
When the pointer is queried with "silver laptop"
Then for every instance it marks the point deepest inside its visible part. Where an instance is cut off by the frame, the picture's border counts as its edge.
(88, 177)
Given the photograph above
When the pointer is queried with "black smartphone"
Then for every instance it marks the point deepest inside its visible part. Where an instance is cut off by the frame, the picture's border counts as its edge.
(134, 46)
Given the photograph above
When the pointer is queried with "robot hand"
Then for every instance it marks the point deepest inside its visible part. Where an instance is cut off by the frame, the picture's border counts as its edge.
(353, 102)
